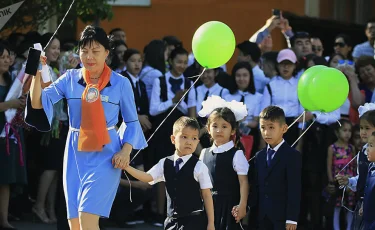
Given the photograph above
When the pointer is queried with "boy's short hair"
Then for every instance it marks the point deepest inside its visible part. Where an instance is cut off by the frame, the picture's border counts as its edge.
(373, 134)
(184, 122)
(274, 114)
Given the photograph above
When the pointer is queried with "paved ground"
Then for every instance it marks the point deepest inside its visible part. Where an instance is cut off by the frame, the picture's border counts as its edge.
(38, 226)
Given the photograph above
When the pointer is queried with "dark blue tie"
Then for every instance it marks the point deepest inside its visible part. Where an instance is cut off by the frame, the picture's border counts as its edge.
(177, 165)
(270, 152)
(175, 84)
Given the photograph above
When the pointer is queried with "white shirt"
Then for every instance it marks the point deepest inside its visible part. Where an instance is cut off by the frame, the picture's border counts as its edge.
(273, 155)
(252, 102)
(148, 75)
(240, 164)
(284, 95)
(201, 174)
(260, 80)
(157, 107)
(274, 149)
(354, 180)
(214, 90)
(345, 108)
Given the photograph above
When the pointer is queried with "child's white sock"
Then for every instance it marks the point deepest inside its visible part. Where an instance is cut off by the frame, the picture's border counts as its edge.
(336, 218)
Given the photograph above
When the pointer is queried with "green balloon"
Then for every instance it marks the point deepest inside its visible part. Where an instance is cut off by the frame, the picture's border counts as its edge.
(303, 87)
(213, 44)
(328, 90)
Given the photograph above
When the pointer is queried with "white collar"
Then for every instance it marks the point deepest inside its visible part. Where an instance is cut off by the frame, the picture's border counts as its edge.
(244, 93)
(212, 89)
(292, 80)
(134, 79)
(222, 148)
(184, 158)
(276, 147)
(169, 75)
(364, 149)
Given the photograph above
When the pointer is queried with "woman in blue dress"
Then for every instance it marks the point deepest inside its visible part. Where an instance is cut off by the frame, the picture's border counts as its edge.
(94, 152)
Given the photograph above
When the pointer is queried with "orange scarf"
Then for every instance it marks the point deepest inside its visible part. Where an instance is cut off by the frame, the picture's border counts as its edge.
(93, 133)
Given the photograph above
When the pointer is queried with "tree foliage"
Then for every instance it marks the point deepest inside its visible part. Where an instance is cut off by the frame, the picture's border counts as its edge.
(34, 13)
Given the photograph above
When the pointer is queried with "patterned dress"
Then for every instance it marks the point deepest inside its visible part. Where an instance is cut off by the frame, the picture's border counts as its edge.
(341, 157)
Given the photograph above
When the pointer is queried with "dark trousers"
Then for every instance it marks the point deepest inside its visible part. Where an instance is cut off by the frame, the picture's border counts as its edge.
(267, 224)
(293, 132)
(311, 199)
(358, 223)
(62, 219)
(194, 222)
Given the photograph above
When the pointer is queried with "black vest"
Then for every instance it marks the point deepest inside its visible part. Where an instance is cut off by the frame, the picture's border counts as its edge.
(363, 164)
(183, 191)
(223, 177)
(164, 89)
(142, 103)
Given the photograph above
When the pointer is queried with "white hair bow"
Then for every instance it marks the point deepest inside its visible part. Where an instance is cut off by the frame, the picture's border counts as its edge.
(366, 107)
(213, 102)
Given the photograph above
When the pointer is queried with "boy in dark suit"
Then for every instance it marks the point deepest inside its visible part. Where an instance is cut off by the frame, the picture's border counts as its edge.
(276, 175)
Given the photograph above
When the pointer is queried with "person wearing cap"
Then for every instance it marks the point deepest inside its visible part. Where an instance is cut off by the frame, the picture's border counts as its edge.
(282, 92)
(250, 52)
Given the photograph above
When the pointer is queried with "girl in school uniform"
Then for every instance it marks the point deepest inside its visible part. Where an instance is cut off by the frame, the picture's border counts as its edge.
(227, 164)
(282, 92)
(244, 91)
(208, 88)
(166, 93)
(133, 65)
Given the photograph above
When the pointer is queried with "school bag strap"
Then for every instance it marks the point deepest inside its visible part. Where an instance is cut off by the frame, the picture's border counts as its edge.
(269, 91)
(221, 92)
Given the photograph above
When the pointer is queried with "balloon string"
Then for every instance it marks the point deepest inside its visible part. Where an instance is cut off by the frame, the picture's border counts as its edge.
(303, 133)
(182, 98)
(297, 119)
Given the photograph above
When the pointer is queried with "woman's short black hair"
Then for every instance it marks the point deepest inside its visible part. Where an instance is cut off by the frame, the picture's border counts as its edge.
(93, 34)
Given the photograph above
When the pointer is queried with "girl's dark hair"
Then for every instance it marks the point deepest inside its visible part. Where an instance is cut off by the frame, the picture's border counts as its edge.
(7, 77)
(369, 116)
(236, 67)
(337, 126)
(178, 51)
(334, 55)
(154, 55)
(227, 115)
(130, 52)
(46, 37)
(94, 34)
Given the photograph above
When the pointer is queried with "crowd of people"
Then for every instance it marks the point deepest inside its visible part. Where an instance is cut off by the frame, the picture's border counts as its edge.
(34, 144)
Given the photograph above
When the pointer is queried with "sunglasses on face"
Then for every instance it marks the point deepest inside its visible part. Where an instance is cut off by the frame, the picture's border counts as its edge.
(341, 44)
